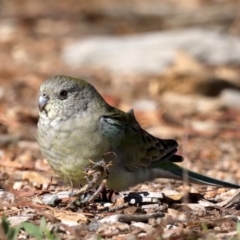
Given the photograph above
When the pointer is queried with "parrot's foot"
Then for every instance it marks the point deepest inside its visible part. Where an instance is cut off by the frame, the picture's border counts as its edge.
(104, 164)
(93, 174)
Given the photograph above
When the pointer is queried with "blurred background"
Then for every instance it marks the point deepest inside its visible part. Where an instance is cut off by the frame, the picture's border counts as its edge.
(176, 62)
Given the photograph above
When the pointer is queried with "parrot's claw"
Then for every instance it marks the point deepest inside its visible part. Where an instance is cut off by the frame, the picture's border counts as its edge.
(93, 174)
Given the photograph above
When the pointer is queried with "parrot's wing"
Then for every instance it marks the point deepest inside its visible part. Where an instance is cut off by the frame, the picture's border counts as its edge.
(170, 170)
(132, 144)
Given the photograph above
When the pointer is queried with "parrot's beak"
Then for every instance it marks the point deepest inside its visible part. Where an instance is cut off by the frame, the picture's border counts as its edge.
(42, 102)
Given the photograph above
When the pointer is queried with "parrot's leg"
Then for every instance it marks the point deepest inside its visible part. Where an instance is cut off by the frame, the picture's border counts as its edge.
(95, 173)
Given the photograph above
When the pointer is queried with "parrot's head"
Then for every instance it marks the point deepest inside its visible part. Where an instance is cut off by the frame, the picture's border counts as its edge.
(63, 96)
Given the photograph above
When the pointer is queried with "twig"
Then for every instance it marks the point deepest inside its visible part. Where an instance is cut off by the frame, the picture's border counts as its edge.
(129, 218)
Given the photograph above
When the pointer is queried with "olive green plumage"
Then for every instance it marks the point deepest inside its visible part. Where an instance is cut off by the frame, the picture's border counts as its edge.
(76, 125)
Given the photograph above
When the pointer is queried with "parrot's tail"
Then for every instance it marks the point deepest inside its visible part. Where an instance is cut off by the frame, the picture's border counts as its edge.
(168, 169)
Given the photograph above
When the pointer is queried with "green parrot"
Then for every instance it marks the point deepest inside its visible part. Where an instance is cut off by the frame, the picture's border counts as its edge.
(77, 125)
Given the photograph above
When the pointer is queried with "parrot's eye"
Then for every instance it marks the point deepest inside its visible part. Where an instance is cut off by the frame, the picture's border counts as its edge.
(63, 95)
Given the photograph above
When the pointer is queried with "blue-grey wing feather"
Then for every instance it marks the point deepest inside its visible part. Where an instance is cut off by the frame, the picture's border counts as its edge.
(135, 146)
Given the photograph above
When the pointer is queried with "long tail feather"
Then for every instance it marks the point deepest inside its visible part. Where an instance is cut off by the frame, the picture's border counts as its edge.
(171, 170)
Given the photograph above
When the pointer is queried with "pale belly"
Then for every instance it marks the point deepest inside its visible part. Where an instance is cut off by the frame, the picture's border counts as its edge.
(68, 152)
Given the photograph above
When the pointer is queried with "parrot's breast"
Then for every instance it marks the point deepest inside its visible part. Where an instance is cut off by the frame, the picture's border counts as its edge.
(68, 146)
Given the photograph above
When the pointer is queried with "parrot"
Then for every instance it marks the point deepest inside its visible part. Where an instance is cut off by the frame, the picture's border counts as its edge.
(76, 125)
